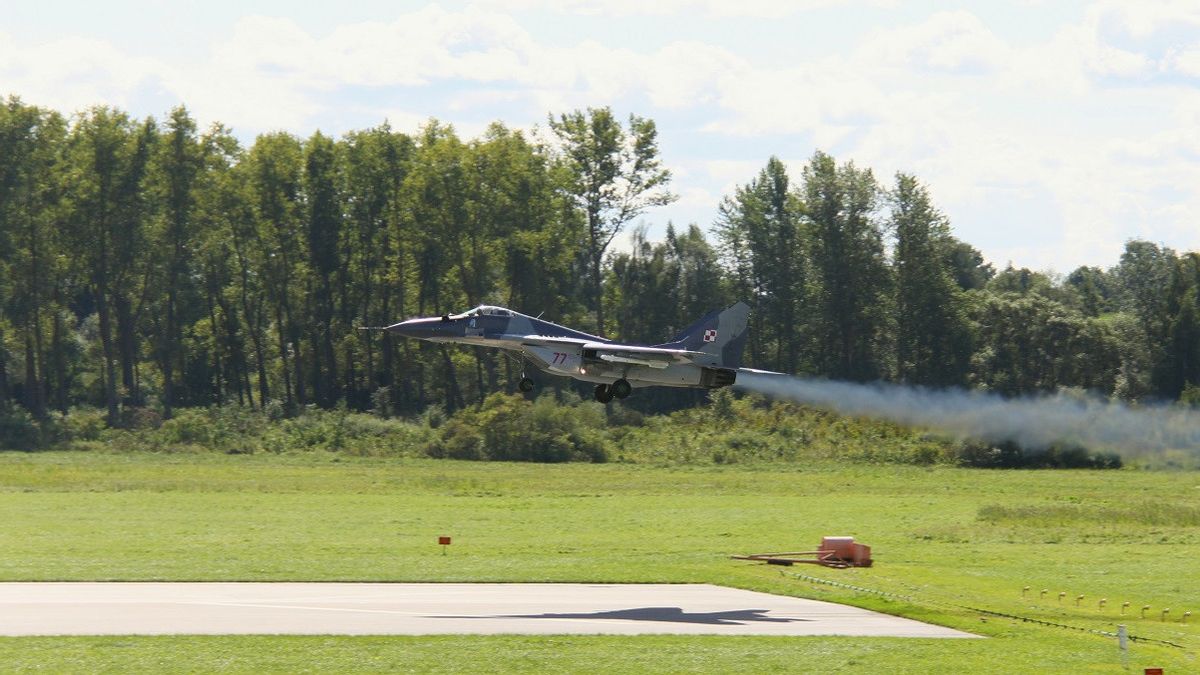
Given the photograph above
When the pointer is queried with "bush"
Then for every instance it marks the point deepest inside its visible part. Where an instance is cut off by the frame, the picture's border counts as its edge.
(189, 426)
(1190, 396)
(510, 428)
(1010, 455)
(83, 424)
(19, 431)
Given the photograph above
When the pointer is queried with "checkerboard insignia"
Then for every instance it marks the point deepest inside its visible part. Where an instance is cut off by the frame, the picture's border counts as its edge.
(710, 335)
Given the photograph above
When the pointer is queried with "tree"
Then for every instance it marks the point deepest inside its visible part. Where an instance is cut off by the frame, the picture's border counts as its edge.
(1146, 287)
(275, 166)
(31, 140)
(1180, 366)
(932, 334)
(697, 284)
(324, 216)
(1032, 343)
(639, 291)
(1094, 289)
(376, 163)
(179, 162)
(764, 244)
(850, 277)
(613, 175)
(108, 157)
(968, 267)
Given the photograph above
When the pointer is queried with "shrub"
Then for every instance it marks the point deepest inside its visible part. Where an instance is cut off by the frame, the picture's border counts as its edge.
(381, 402)
(189, 426)
(510, 428)
(82, 424)
(19, 431)
(1010, 455)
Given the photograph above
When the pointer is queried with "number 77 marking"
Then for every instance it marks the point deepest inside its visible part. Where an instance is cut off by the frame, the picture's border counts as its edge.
(560, 357)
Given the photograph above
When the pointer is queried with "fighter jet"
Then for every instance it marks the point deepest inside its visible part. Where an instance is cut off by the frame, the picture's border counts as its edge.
(706, 355)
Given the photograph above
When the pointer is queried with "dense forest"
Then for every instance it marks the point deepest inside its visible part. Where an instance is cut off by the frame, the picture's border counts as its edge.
(149, 265)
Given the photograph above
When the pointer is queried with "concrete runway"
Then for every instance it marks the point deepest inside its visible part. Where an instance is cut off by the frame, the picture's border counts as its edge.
(72, 608)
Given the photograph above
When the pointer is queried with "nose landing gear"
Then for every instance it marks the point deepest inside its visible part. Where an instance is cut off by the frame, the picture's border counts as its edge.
(525, 385)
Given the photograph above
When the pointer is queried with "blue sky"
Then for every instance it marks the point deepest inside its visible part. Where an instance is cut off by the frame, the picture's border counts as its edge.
(1048, 132)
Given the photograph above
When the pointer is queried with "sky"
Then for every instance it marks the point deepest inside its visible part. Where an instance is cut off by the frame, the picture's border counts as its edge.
(1049, 132)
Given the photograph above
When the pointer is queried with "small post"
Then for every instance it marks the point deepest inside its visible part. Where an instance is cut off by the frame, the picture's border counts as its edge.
(444, 542)
(1043, 593)
(1165, 612)
(1061, 595)
(1079, 600)
(1184, 618)
(1145, 608)
(1123, 643)
(1124, 605)
(1024, 591)
(1103, 602)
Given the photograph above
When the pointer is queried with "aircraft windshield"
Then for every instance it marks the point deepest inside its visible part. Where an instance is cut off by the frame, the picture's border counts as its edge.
(483, 310)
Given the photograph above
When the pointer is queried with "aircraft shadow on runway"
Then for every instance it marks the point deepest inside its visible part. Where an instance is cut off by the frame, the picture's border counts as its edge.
(737, 617)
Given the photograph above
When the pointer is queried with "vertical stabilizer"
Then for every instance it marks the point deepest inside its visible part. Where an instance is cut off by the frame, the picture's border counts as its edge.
(721, 333)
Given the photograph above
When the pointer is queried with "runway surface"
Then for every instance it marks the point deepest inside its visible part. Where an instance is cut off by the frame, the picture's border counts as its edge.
(71, 608)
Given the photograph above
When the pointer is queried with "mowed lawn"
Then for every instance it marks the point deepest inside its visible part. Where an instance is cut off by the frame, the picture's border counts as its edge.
(944, 540)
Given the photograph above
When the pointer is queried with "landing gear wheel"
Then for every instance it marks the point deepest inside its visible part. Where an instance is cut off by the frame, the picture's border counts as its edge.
(621, 388)
(525, 385)
(603, 393)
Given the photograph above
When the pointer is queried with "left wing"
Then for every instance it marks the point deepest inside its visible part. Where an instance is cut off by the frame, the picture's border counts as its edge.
(651, 357)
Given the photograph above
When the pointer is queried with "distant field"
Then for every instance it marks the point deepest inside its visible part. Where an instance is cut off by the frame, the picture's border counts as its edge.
(943, 538)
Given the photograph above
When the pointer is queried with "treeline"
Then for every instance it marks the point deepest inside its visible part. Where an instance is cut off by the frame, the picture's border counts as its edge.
(147, 266)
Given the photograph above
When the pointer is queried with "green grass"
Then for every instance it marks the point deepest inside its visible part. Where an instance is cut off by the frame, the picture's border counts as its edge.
(552, 654)
(943, 538)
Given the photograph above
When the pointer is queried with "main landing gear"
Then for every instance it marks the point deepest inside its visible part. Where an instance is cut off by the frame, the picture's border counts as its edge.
(619, 389)
(525, 385)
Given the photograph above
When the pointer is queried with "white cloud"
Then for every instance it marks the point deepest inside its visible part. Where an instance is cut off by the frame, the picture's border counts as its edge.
(74, 73)
(953, 42)
(1144, 18)
(987, 120)
(718, 8)
(1185, 61)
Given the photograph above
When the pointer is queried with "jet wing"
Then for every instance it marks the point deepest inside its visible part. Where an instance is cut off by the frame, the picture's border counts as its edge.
(651, 357)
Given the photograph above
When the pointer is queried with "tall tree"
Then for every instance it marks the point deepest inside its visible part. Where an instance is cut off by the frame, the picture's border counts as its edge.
(1144, 279)
(376, 161)
(108, 156)
(851, 278)
(324, 224)
(179, 162)
(613, 174)
(1180, 366)
(763, 242)
(275, 166)
(31, 141)
(932, 333)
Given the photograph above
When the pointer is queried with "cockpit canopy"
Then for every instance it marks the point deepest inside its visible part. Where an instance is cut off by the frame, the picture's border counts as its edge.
(484, 310)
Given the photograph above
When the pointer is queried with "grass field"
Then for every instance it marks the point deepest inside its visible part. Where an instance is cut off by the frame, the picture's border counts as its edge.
(944, 539)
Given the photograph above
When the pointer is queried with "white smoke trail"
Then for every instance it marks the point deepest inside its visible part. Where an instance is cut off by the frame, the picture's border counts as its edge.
(1035, 422)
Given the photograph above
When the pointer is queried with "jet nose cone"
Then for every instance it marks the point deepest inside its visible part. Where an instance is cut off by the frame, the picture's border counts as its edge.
(421, 329)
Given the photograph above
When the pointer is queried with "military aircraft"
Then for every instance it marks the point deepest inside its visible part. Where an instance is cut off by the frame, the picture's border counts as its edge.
(706, 355)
